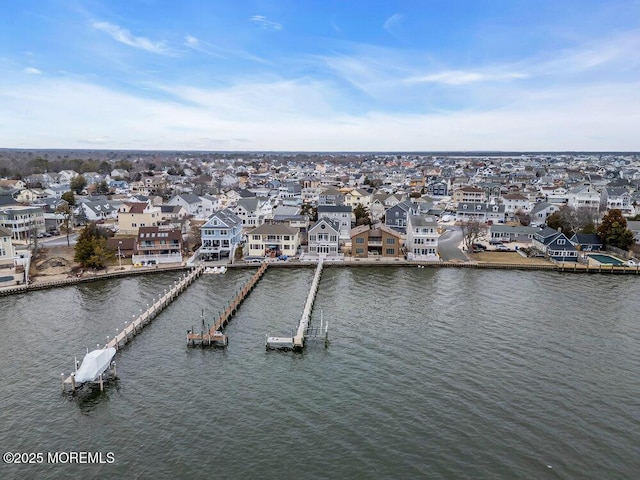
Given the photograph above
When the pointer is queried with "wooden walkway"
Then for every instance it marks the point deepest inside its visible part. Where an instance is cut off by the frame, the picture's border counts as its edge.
(297, 340)
(213, 336)
(153, 309)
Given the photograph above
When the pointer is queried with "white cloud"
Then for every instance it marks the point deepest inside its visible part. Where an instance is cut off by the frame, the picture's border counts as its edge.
(215, 51)
(123, 35)
(301, 115)
(192, 42)
(458, 77)
(393, 24)
(264, 23)
(32, 71)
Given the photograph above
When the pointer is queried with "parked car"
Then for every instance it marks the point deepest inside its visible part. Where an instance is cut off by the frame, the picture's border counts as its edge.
(478, 246)
(502, 248)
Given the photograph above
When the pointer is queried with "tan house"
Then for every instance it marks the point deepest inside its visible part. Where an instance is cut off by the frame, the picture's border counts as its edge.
(356, 196)
(132, 216)
(380, 241)
(468, 195)
(273, 240)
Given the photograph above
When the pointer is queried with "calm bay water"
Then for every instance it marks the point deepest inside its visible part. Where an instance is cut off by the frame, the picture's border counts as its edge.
(438, 373)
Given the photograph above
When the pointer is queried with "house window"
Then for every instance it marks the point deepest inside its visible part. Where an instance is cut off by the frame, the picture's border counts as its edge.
(359, 239)
(391, 241)
(359, 250)
(561, 242)
(391, 251)
(312, 238)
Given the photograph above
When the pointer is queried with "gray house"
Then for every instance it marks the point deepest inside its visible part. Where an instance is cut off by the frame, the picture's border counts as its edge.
(341, 214)
(324, 238)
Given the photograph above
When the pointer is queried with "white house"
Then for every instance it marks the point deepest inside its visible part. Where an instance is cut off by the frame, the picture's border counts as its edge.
(422, 238)
(7, 251)
(584, 195)
(253, 211)
(192, 203)
(514, 202)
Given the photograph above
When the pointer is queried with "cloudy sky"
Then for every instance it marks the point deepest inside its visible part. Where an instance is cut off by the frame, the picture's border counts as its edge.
(414, 75)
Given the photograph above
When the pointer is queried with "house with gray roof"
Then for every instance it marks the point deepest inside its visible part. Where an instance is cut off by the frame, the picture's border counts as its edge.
(541, 211)
(324, 238)
(480, 212)
(422, 238)
(220, 235)
(555, 245)
(587, 242)
(192, 203)
(273, 240)
(342, 214)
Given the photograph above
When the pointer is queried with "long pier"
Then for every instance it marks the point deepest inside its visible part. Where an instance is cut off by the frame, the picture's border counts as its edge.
(137, 324)
(214, 336)
(296, 342)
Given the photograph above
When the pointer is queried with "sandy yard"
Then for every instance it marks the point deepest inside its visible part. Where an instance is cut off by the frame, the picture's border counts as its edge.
(507, 257)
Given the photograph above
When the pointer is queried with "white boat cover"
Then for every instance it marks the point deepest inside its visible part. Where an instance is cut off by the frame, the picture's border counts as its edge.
(94, 363)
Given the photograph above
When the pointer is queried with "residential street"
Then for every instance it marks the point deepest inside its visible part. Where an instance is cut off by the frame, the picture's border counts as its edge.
(448, 245)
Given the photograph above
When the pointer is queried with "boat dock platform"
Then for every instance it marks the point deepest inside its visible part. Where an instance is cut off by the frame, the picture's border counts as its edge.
(304, 331)
(144, 318)
(214, 336)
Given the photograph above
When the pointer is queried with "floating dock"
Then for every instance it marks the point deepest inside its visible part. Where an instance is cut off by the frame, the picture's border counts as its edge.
(137, 324)
(296, 341)
(214, 336)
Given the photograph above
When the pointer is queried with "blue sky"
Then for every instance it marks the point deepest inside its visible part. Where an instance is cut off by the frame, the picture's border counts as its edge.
(326, 75)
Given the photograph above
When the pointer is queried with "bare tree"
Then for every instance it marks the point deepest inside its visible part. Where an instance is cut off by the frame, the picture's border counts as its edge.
(472, 230)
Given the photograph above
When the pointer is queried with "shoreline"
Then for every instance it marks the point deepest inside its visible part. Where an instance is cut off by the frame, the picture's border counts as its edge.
(40, 282)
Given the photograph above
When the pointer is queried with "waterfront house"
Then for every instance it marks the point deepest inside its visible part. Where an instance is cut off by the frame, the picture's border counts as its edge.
(22, 221)
(379, 241)
(555, 245)
(273, 240)
(324, 238)
(7, 252)
(342, 214)
(220, 235)
(512, 233)
(422, 238)
(587, 242)
(158, 245)
(30, 195)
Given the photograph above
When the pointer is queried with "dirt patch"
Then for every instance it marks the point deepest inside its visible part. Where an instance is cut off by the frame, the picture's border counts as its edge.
(507, 257)
(54, 261)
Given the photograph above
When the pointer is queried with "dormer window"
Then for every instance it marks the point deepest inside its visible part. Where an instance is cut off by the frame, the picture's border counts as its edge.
(479, 207)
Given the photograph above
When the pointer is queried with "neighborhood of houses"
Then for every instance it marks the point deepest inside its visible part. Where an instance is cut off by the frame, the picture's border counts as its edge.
(252, 207)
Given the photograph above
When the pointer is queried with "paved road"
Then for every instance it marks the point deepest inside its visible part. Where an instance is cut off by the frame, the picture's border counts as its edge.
(448, 245)
(60, 241)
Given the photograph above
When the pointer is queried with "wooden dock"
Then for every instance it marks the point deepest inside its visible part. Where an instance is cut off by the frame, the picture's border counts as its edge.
(296, 341)
(214, 336)
(144, 318)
